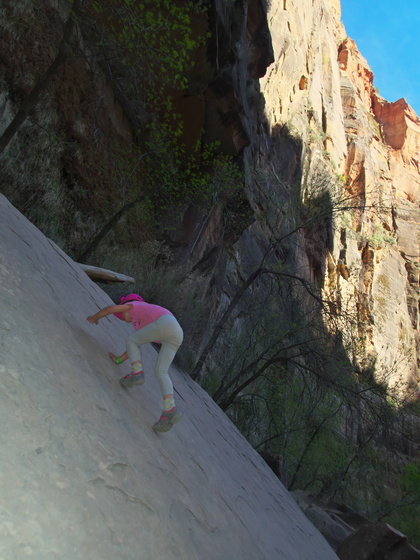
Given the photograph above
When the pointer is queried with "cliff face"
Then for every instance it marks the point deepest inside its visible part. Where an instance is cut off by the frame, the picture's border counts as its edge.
(321, 83)
(383, 162)
(320, 90)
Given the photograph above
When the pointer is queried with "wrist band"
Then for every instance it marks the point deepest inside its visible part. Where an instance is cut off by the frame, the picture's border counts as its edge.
(118, 360)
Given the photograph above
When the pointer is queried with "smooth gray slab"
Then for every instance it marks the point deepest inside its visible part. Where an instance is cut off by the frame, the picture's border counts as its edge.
(82, 475)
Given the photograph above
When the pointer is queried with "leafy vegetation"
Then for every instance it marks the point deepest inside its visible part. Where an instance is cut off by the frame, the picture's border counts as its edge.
(152, 39)
(102, 179)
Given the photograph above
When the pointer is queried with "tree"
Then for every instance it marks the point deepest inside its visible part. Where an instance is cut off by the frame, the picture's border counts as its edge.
(145, 48)
(324, 212)
(405, 512)
(281, 359)
(206, 178)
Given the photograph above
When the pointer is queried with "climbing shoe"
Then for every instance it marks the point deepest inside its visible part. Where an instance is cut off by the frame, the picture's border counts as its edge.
(167, 420)
(132, 379)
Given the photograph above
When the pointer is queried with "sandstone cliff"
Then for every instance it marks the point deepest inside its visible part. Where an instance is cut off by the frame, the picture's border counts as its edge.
(321, 85)
(321, 90)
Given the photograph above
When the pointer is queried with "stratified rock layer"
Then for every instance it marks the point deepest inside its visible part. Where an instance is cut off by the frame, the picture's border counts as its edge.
(82, 475)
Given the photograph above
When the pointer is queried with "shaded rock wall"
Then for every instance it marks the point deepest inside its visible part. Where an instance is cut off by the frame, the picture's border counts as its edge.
(82, 475)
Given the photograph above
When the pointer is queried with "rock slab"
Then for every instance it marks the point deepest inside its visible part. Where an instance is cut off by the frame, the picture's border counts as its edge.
(82, 474)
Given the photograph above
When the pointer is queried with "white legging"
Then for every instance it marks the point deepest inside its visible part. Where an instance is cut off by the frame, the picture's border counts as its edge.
(168, 331)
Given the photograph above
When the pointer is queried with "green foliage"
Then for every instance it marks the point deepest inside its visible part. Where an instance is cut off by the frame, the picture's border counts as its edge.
(411, 479)
(148, 49)
(288, 384)
(204, 175)
(314, 453)
(406, 515)
(70, 160)
(150, 41)
(380, 237)
(407, 520)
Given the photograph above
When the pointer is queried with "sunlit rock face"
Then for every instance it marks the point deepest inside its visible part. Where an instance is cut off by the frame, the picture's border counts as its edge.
(321, 89)
(83, 475)
(316, 106)
(319, 109)
(382, 166)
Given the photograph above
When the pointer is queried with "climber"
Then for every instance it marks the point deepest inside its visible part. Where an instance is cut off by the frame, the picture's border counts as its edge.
(152, 323)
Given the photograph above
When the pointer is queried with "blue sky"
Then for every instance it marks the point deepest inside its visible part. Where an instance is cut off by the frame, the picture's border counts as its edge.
(387, 33)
